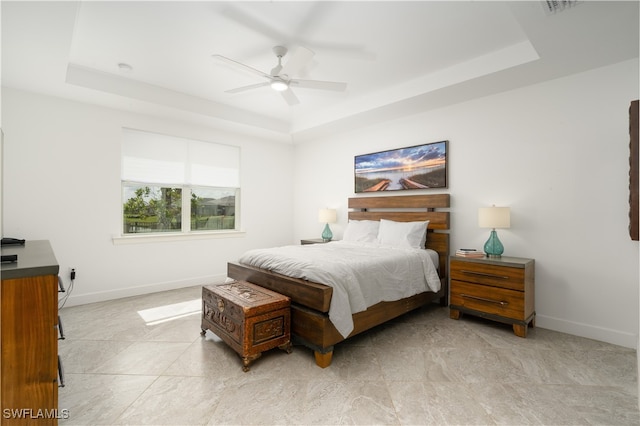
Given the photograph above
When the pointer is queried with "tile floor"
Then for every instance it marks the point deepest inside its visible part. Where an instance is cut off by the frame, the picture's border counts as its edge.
(142, 361)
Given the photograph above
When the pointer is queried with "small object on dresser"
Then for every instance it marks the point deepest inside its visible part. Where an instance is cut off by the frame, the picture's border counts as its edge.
(470, 253)
(6, 241)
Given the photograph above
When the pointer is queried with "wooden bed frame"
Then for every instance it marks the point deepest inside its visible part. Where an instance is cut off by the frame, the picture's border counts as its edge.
(310, 324)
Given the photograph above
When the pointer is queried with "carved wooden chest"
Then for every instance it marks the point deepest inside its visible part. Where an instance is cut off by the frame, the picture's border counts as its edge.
(249, 318)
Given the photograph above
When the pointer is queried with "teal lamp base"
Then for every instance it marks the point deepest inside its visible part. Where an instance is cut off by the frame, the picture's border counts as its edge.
(327, 235)
(493, 247)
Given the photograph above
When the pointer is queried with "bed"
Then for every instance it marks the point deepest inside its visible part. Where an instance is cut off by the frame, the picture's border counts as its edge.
(311, 301)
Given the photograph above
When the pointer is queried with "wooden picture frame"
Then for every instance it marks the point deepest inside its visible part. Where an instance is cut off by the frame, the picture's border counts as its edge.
(414, 167)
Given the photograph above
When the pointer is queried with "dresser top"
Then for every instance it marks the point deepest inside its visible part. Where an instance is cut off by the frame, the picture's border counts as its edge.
(514, 262)
(35, 258)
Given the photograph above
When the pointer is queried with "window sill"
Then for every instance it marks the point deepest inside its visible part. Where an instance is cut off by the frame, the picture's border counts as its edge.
(140, 239)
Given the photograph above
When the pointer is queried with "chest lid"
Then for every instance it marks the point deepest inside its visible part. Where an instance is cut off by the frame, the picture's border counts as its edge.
(253, 299)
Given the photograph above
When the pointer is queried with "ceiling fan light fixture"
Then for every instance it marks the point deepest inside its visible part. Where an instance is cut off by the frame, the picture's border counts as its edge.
(279, 85)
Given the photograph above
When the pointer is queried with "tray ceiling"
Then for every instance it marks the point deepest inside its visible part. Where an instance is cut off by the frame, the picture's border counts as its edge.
(398, 58)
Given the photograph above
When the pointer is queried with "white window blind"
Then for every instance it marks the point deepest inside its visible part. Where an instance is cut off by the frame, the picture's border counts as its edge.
(155, 158)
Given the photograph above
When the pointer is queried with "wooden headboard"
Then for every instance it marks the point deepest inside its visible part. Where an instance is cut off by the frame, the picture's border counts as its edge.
(409, 208)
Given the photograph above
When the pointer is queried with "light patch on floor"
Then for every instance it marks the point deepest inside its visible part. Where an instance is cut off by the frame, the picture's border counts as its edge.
(166, 313)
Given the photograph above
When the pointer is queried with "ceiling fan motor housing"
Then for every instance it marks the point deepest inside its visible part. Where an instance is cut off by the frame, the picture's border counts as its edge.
(280, 51)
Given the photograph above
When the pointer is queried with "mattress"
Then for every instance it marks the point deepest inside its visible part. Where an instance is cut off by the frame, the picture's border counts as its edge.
(361, 274)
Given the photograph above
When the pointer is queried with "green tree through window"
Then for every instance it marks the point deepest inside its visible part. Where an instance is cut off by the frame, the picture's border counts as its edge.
(152, 209)
(173, 184)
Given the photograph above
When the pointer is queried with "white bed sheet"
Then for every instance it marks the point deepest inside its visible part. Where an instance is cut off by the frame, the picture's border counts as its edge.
(361, 274)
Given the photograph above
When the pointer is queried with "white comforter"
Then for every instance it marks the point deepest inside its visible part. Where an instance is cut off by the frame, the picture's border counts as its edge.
(361, 274)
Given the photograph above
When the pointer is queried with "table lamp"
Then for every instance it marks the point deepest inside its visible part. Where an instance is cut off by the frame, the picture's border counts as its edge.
(327, 216)
(494, 217)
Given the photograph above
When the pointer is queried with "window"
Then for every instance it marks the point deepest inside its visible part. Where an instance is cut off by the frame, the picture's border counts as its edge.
(178, 185)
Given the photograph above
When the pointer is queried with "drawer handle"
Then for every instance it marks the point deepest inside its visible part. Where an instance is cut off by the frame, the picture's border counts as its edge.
(60, 372)
(482, 299)
(484, 274)
(60, 329)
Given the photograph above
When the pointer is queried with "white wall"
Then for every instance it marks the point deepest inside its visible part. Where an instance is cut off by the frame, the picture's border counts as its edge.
(557, 153)
(62, 183)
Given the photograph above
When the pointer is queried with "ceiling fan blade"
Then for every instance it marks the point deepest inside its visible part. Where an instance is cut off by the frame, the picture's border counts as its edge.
(290, 97)
(316, 14)
(298, 60)
(347, 51)
(245, 88)
(240, 65)
(321, 85)
(241, 15)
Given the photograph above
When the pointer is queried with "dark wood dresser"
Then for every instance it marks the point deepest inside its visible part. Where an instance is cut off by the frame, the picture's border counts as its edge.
(29, 339)
(249, 318)
(500, 289)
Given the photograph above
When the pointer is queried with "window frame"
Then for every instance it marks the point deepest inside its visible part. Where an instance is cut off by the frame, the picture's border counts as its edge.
(185, 232)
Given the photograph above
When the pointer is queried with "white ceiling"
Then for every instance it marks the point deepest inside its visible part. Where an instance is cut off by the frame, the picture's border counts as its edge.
(397, 58)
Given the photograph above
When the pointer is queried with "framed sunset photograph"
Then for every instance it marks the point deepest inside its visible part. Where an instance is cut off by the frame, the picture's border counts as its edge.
(415, 167)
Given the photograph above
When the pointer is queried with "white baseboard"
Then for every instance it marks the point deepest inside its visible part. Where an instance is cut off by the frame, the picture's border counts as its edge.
(602, 334)
(101, 296)
(616, 337)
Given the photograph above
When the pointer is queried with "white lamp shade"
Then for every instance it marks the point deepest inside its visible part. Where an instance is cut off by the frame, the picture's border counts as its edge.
(494, 217)
(327, 216)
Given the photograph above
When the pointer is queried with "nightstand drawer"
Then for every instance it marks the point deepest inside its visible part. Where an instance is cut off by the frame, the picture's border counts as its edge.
(491, 300)
(493, 275)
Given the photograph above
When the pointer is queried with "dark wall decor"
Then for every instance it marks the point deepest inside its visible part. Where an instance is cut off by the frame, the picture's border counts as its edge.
(414, 167)
(633, 171)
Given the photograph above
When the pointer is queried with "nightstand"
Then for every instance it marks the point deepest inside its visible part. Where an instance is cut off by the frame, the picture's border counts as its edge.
(500, 289)
(314, 241)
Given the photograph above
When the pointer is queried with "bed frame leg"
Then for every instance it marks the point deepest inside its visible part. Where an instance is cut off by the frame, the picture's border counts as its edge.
(323, 360)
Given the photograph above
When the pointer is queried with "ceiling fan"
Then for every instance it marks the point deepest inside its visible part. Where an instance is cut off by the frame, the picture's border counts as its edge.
(281, 77)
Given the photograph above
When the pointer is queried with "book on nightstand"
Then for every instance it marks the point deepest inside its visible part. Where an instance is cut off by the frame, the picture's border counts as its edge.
(469, 253)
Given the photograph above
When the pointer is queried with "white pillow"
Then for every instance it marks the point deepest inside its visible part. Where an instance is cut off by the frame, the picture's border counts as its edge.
(361, 231)
(403, 234)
